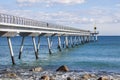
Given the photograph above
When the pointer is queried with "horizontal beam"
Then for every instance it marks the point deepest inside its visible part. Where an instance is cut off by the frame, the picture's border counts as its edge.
(24, 34)
(7, 34)
(27, 28)
(28, 34)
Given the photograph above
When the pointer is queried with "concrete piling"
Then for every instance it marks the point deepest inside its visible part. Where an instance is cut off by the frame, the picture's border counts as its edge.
(11, 50)
(21, 47)
(59, 43)
(35, 48)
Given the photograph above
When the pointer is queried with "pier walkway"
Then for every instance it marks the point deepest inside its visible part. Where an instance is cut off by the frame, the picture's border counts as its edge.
(11, 26)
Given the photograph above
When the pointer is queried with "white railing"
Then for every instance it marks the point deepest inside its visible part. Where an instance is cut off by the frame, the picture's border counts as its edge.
(4, 18)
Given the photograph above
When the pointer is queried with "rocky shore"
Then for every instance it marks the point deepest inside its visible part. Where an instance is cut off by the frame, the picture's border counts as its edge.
(61, 73)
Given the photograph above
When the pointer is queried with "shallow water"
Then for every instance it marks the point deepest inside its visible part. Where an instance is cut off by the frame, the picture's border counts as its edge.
(103, 55)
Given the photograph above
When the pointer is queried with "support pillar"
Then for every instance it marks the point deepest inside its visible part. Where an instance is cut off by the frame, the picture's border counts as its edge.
(79, 40)
(74, 40)
(82, 39)
(59, 43)
(11, 50)
(71, 41)
(63, 44)
(96, 38)
(38, 45)
(85, 39)
(89, 38)
(35, 48)
(21, 47)
(93, 38)
(66, 41)
(49, 45)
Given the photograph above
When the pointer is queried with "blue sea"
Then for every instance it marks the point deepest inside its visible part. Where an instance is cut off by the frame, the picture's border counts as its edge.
(102, 55)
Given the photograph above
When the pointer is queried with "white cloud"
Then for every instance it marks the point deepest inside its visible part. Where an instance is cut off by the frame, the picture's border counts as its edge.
(69, 18)
(49, 2)
(69, 1)
(59, 17)
(30, 1)
(96, 11)
(101, 15)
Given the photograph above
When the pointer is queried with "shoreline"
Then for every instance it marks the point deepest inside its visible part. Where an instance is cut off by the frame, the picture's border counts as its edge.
(38, 72)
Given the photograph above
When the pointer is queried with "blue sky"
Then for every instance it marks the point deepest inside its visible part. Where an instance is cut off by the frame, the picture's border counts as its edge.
(75, 13)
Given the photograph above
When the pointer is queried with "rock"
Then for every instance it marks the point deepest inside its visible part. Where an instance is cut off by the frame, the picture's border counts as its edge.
(63, 68)
(11, 75)
(103, 78)
(52, 78)
(69, 78)
(93, 75)
(45, 77)
(86, 76)
(37, 69)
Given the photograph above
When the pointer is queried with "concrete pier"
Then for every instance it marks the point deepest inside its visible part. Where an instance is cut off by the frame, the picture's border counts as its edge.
(11, 26)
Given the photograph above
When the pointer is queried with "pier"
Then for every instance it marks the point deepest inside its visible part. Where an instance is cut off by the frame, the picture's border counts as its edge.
(11, 26)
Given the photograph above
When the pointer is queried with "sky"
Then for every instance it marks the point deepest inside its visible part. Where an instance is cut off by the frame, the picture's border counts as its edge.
(82, 14)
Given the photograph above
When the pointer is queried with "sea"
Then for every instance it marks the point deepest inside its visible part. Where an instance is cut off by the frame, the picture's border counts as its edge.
(101, 55)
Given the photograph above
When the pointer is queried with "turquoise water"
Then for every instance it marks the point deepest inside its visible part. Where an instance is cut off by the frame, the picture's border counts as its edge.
(103, 55)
